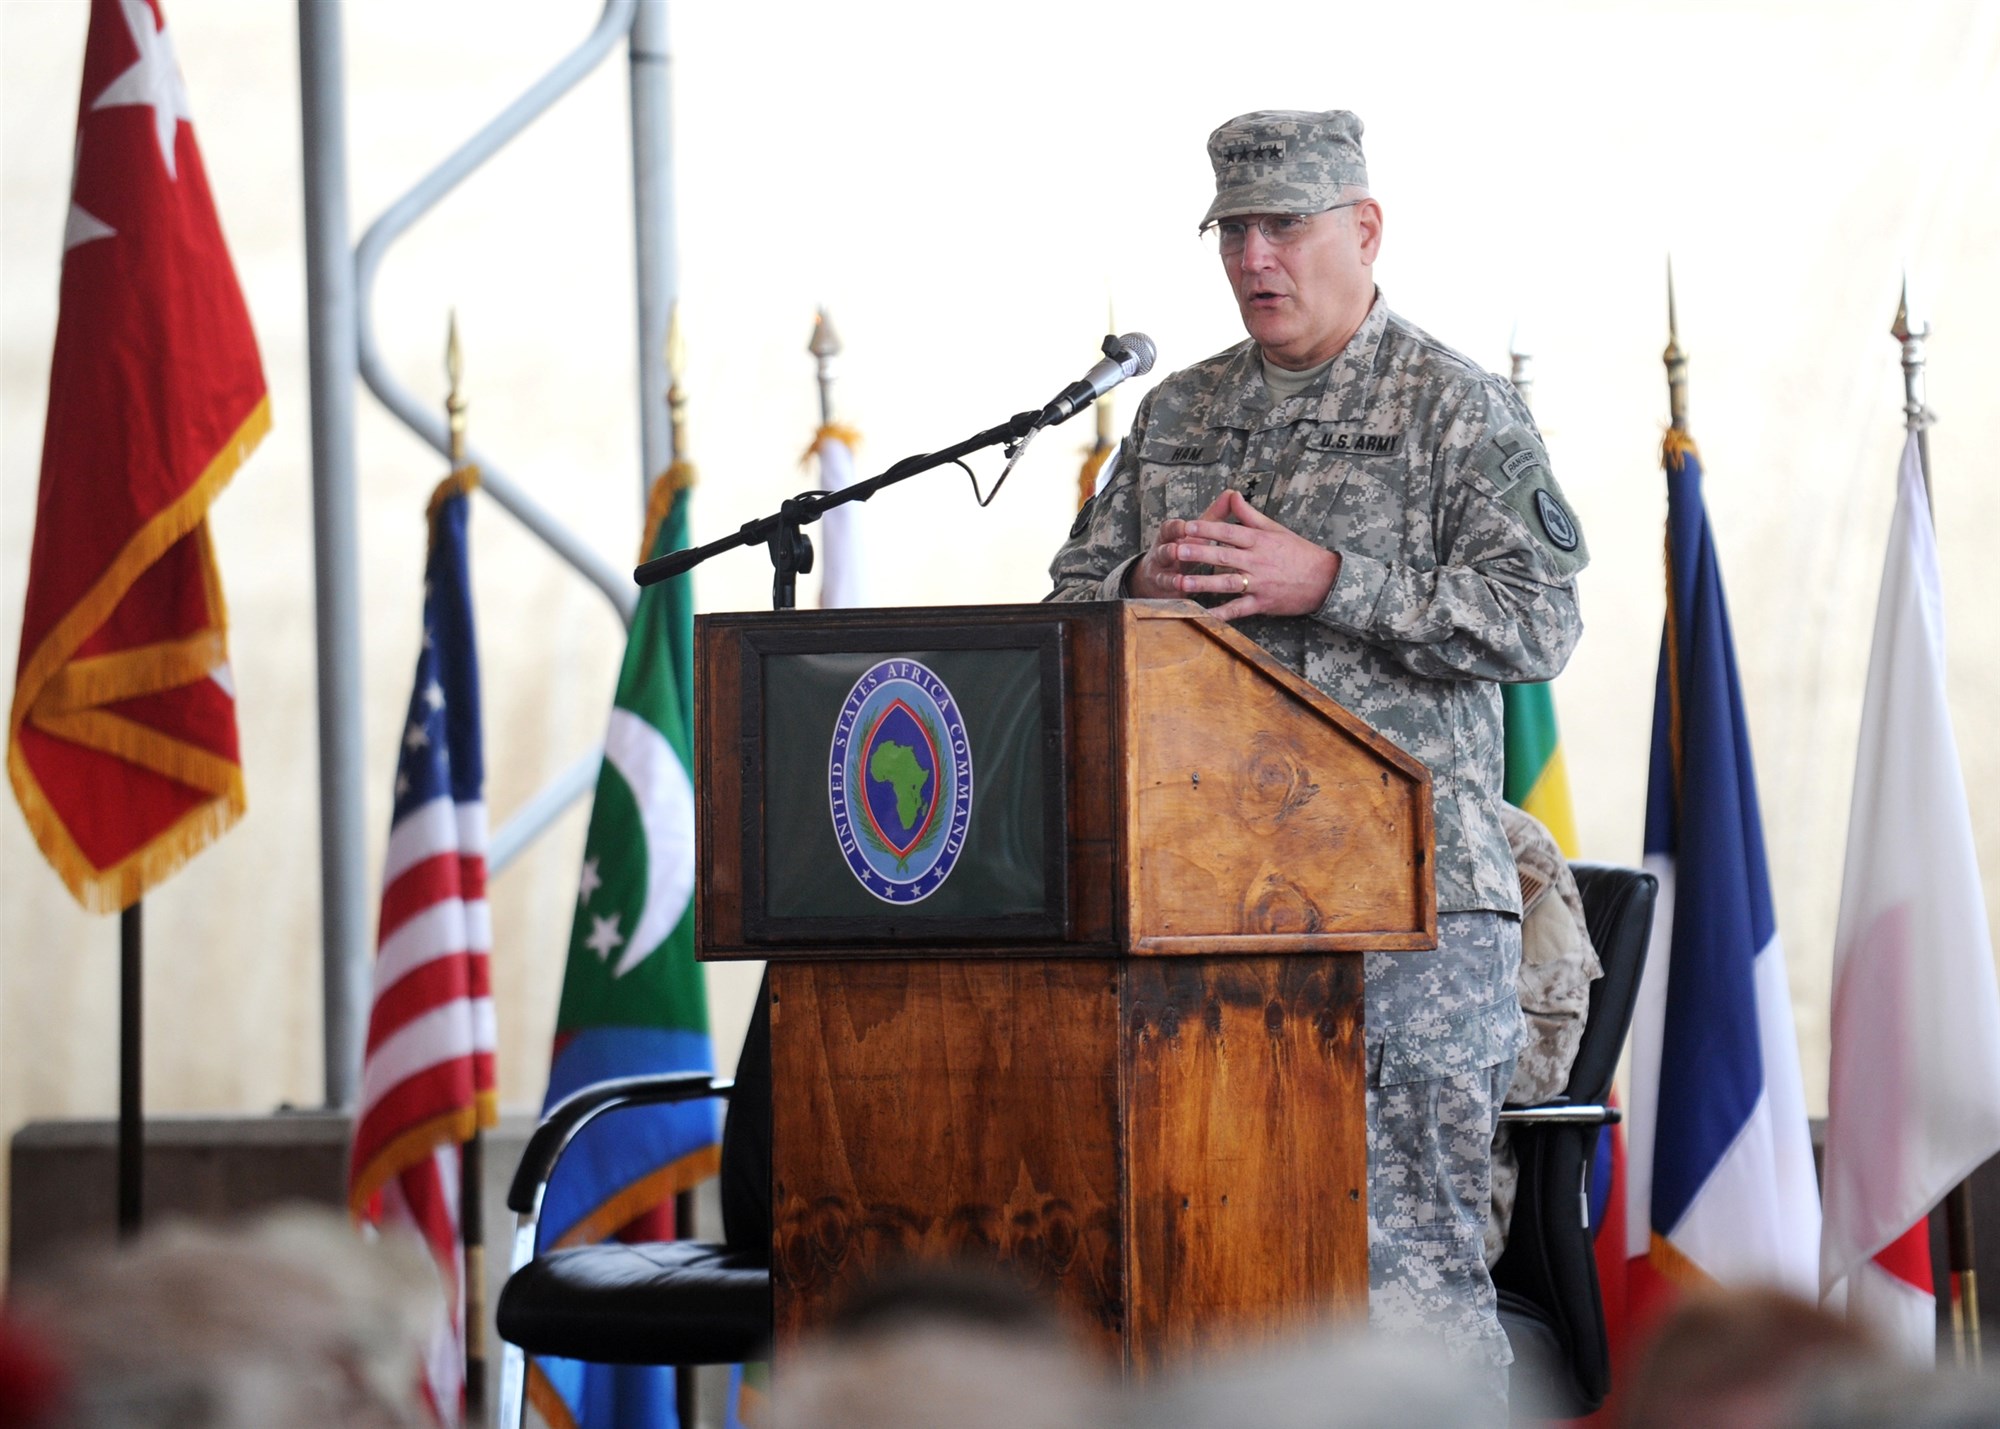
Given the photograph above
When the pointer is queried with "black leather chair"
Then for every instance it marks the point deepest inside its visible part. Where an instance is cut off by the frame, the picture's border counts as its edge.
(680, 1302)
(1550, 1302)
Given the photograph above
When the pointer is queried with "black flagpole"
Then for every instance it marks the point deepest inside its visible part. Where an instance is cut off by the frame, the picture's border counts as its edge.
(131, 1024)
(472, 1154)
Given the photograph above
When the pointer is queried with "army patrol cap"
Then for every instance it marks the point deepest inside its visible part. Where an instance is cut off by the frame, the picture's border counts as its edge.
(1284, 161)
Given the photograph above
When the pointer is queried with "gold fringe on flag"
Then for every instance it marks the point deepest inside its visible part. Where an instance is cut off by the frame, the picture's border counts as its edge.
(1086, 477)
(1677, 448)
(547, 1401)
(1672, 1263)
(458, 1125)
(643, 1195)
(54, 690)
(666, 489)
(847, 436)
(462, 482)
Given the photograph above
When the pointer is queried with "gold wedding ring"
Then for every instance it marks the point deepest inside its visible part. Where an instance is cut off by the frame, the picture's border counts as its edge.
(1246, 581)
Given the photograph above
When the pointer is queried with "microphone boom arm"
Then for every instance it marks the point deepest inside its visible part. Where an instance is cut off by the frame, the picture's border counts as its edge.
(790, 547)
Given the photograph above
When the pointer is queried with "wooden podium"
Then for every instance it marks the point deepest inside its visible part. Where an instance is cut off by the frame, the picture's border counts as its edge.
(1115, 1046)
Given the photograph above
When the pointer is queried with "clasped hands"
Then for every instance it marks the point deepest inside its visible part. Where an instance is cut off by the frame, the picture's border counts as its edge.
(1232, 548)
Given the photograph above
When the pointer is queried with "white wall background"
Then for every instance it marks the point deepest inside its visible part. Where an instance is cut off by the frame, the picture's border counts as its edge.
(965, 190)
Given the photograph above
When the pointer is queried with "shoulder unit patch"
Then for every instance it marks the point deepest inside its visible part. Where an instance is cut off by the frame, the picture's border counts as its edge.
(1556, 522)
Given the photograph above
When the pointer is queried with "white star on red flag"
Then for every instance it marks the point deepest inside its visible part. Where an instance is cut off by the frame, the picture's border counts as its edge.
(82, 227)
(153, 80)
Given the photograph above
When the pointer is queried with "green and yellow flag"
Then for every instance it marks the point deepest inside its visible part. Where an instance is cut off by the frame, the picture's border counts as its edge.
(1536, 778)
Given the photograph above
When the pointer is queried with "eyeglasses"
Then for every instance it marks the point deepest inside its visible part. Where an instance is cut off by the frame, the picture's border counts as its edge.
(1280, 230)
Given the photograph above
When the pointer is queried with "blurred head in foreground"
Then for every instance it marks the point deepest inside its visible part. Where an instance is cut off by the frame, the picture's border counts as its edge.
(1752, 1359)
(940, 1345)
(1340, 1379)
(1896, 1397)
(288, 1319)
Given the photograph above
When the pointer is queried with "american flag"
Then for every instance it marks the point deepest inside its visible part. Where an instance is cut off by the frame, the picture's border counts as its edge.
(427, 1080)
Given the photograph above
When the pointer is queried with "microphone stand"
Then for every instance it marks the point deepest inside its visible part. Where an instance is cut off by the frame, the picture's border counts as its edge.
(781, 532)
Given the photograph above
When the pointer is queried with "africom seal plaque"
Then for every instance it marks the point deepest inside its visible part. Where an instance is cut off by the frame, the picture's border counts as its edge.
(899, 781)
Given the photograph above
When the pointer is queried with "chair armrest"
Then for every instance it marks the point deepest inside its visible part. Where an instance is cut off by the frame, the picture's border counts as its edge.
(569, 1116)
(1561, 1114)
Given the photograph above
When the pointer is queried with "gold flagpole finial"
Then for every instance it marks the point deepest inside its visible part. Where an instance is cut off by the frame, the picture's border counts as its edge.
(1901, 329)
(825, 341)
(676, 358)
(679, 475)
(1676, 360)
(1912, 332)
(825, 346)
(463, 478)
(454, 402)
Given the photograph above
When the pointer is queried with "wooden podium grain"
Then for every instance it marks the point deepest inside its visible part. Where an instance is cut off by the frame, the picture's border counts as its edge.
(1154, 1113)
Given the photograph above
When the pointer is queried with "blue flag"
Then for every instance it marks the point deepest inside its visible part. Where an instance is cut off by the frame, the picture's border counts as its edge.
(1721, 1183)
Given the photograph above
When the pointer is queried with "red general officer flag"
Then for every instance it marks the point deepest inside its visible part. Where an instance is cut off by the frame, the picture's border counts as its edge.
(121, 740)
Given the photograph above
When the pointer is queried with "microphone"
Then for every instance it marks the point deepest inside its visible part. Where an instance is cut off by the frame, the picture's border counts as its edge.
(1128, 356)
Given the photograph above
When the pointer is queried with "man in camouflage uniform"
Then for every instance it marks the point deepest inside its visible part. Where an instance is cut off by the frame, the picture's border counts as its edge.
(1378, 513)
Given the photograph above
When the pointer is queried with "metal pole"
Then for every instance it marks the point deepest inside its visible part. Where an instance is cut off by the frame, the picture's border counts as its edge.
(662, 403)
(471, 1156)
(331, 349)
(472, 1236)
(1959, 1252)
(419, 415)
(653, 219)
(131, 1061)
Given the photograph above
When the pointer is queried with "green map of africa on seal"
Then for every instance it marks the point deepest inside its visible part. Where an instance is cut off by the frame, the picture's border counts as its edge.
(896, 765)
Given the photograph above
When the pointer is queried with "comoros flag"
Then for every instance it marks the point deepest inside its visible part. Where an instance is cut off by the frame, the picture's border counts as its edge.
(633, 1001)
(1721, 1183)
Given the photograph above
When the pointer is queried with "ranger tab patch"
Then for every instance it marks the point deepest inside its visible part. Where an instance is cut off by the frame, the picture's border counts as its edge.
(1521, 461)
(1517, 458)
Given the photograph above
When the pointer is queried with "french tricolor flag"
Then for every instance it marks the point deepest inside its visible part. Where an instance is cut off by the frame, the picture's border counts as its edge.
(1720, 1182)
(1914, 1095)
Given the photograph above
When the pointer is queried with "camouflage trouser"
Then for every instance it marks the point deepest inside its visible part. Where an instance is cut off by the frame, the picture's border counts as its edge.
(1443, 1031)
